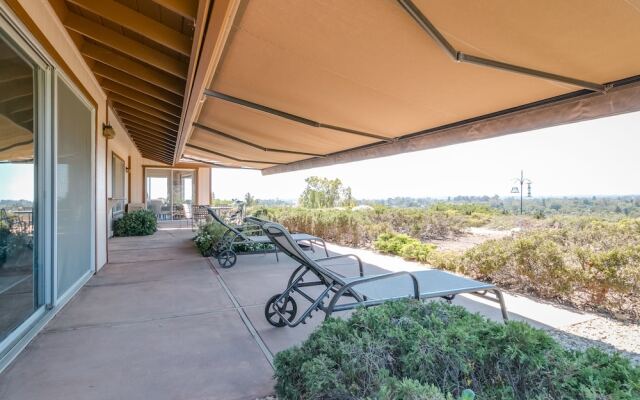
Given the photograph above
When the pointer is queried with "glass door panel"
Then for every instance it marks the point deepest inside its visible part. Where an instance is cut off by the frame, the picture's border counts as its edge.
(158, 189)
(20, 278)
(183, 191)
(74, 186)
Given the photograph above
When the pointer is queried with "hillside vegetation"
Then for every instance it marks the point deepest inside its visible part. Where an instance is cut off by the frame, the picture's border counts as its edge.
(588, 261)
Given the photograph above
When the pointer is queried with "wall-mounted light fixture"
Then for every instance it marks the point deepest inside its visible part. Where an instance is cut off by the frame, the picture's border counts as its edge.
(108, 131)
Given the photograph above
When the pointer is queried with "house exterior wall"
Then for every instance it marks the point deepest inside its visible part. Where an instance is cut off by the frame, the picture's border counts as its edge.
(43, 23)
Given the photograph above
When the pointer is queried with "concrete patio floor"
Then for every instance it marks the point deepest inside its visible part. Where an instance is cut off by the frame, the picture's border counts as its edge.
(162, 322)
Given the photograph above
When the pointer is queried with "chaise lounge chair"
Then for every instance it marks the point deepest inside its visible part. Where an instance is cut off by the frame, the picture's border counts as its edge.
(281, 309)
(250, 234)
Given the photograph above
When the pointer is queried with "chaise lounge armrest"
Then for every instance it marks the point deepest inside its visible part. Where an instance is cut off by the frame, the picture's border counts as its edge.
(360, 267)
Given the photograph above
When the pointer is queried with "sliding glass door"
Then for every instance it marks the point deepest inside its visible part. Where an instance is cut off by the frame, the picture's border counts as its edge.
(75, 192)
(47, 188)
(21, 278)
(168, 189)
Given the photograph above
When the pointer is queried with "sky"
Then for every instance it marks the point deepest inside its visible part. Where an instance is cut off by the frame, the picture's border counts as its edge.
(16, 182)
(598, 157)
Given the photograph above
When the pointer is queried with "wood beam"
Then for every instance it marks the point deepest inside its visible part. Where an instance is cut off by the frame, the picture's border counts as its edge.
(143, 129)
(150, 146)
(146, 128)
(184, 8)
(143, 115)
(134, 83)
(156, 158)
(125, 45)
(139, 23)
(122, 90)
(151, 139)
(142, 122)
(149, 149)
(152, 75)
(151, 142)
(116, 98)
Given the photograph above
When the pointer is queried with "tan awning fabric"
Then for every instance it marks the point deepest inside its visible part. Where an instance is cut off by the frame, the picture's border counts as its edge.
(16, 142)
(366, 65)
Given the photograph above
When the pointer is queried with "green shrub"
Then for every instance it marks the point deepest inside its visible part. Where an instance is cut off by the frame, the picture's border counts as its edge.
(408, 349)
(208, 238)
(409, 389)
(136, 223)
(357, 228)
(404, 246)
(590, 264)
(5, 234)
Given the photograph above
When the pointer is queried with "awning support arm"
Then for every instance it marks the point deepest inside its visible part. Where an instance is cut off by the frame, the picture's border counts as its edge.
(255, 146)
(214, 164)
(290, 117)
(230, 157)
(459, 56)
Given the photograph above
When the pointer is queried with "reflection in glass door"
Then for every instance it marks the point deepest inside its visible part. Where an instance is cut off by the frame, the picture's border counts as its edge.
(20, 278)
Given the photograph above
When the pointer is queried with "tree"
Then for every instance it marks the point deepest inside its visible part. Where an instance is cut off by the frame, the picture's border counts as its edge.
(325, 193)
(249, 200)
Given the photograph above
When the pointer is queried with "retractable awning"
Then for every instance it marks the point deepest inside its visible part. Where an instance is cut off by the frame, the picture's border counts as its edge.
(300, 84)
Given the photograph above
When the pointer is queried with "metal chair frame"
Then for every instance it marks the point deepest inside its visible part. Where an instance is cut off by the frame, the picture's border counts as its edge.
(251, 233)
(281, 309)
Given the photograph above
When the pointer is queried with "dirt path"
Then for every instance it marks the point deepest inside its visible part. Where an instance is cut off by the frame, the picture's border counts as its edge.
(471, 238)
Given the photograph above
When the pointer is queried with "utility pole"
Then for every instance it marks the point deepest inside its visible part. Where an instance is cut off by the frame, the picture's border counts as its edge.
(515, 189)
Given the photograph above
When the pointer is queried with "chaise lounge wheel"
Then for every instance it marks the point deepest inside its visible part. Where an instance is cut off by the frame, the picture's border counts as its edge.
(287, 307)
(227, 258)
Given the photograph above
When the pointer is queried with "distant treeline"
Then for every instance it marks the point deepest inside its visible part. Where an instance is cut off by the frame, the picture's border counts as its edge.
(627, 205)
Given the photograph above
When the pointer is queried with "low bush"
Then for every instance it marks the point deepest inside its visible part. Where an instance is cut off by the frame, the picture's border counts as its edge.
(136, 223)
(415, 350)
(589, 264)
(5, 234)
(362, 227)
(403, 246)
(208, 237)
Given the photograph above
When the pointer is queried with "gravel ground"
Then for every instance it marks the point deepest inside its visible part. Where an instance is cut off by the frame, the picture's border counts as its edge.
(606, 334)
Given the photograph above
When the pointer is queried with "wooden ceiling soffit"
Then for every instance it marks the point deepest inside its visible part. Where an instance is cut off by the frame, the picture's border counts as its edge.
(140, 137)
(139, 23)
(141, 71)
(134, 83)
(145, 150)
(122, 90)
(143, 115)
(158, 138)
(116, 98)
(125, 45)
(151, 147)
(142, 122)
(145, 129)
(184, 8)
